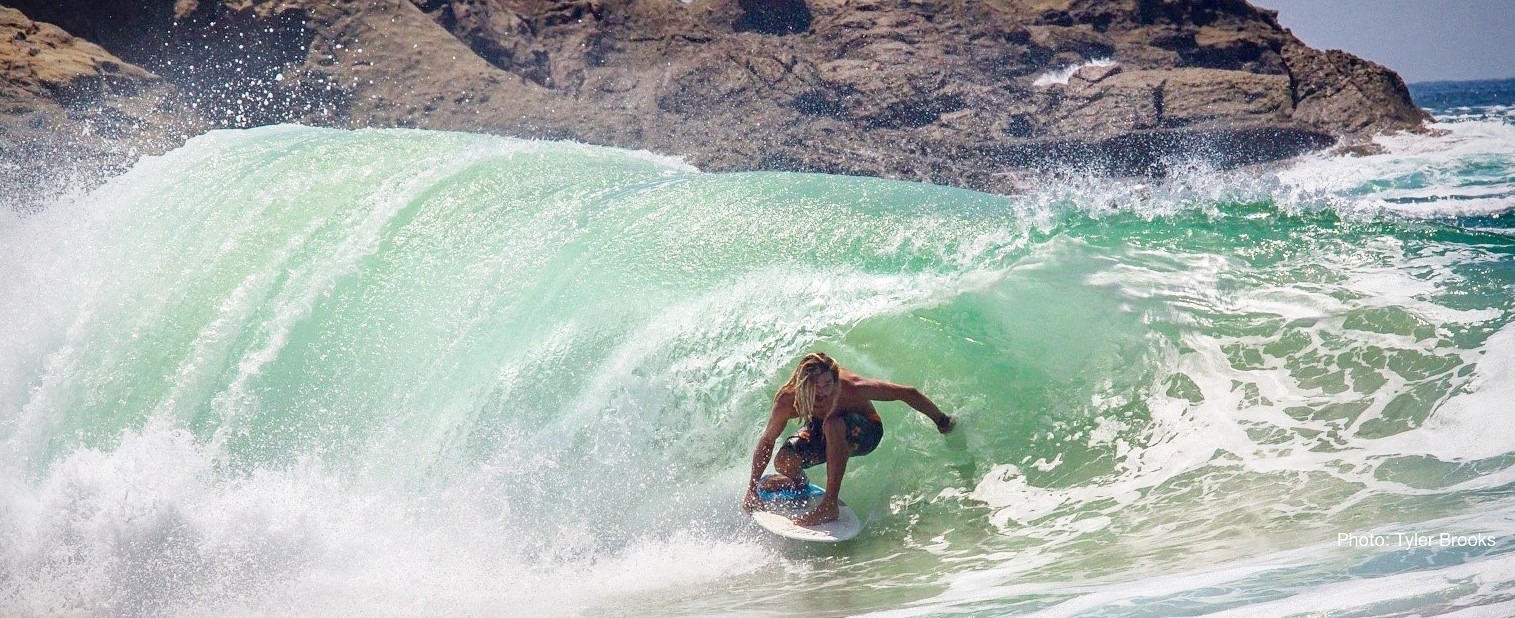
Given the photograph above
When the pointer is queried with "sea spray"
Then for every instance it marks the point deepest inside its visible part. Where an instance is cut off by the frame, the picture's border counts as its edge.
(294, 371)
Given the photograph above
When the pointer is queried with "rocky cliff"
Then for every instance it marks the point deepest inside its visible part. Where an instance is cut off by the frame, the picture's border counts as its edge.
(957, 92)
(68, 106)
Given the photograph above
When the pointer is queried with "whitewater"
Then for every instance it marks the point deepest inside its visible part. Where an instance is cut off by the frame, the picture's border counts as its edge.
(291, 371)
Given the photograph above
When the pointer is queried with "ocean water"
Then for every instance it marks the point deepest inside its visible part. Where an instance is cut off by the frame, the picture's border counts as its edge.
(291, 371)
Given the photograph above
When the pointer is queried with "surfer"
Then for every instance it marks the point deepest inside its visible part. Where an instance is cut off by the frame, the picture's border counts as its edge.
(837, 421)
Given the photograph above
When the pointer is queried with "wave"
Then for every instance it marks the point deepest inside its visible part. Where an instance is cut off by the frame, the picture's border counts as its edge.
(292, 370)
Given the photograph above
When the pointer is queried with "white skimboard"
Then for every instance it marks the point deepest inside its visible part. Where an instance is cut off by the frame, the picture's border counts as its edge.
(776, 509)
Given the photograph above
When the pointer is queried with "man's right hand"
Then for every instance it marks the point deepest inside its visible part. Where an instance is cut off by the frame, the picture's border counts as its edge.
(750, 501)
(946, 423)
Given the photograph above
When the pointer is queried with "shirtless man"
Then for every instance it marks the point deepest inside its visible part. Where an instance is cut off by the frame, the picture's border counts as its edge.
(837, 421)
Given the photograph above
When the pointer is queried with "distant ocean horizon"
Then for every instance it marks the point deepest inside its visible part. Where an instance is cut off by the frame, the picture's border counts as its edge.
(1441, 96)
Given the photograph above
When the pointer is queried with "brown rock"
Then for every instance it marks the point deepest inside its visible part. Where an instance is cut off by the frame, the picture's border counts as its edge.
(42, 63)
(69, 110)
(1339, 92)
(930, 90)
(1094, 74)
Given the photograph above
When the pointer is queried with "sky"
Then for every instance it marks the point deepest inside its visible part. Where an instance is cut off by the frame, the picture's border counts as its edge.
(1422, 40)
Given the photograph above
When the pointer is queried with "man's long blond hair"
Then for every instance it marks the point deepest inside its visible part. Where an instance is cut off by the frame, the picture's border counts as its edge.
(801, 384)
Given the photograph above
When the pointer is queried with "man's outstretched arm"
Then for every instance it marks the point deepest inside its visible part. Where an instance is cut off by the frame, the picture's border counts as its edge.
(879, 390)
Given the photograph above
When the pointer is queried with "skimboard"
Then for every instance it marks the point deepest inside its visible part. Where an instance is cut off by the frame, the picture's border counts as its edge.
(778, 507)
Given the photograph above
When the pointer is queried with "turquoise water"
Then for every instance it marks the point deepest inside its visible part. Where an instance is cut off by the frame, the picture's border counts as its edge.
(297, 371)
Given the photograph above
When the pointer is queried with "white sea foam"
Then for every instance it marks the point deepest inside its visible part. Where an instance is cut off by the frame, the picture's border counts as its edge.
(1322, 576)
(1061, 76)
(1257, 417)
(1468, 426)
(151, 528)
(1467, 168)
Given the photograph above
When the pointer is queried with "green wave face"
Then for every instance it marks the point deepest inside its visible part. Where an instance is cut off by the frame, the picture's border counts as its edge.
(298, 368)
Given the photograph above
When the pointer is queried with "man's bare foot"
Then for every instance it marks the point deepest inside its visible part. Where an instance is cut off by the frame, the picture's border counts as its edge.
(824, 512)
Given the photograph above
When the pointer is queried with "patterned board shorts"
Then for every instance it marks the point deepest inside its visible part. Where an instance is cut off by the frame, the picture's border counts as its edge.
(863, 435)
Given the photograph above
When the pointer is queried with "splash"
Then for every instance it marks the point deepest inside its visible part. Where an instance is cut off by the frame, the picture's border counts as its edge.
(1061, 76)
